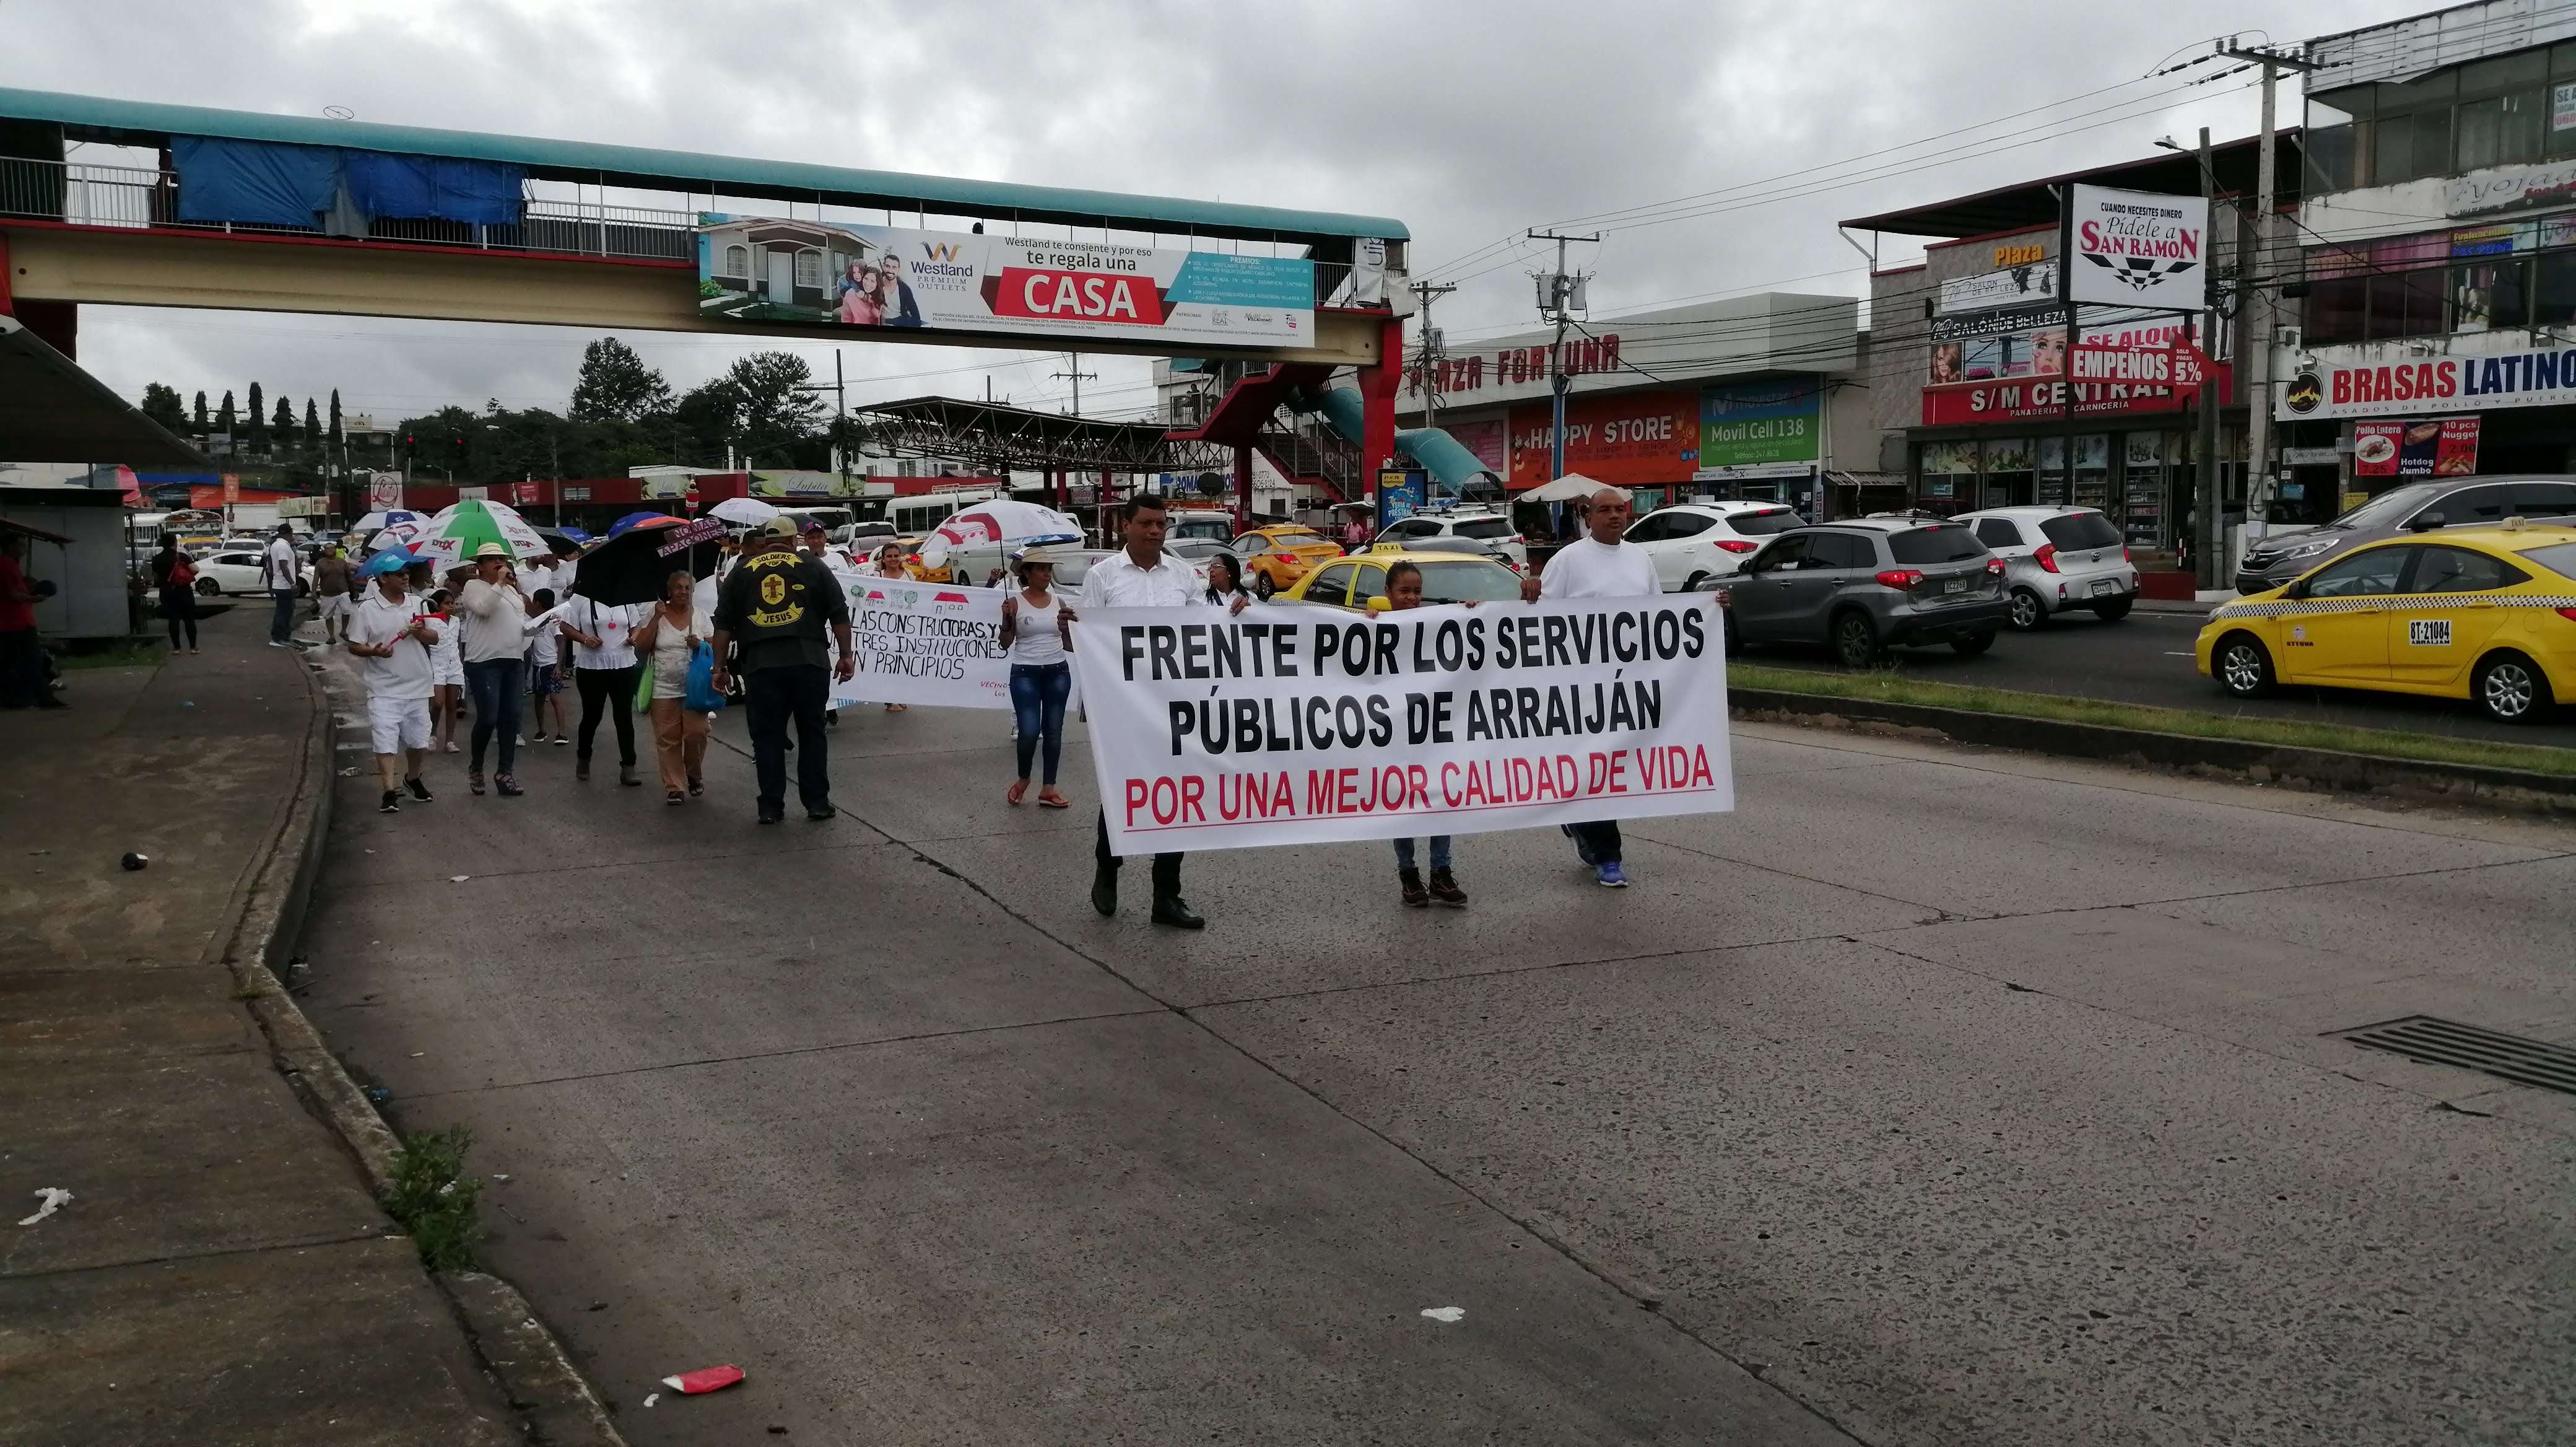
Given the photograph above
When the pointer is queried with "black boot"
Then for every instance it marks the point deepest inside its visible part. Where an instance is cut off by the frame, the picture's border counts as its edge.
(1104, 889)
(1415, 896)
(1444, 888)
(1171, 910)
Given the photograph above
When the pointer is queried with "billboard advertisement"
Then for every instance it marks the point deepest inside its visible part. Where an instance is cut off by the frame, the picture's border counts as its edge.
(1760, 428)
(1631, 439)
(2137, 248)
(2024, 285)
(2401, 386)
(2018, 372)
(756, 269)
(2447, 447)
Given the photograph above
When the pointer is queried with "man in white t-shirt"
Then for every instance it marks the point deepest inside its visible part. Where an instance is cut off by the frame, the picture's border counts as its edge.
(391, 641)
(1600, 564)
(279, 568)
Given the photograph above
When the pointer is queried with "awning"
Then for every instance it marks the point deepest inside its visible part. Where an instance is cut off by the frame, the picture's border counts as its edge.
(52, 411)
(42, 535)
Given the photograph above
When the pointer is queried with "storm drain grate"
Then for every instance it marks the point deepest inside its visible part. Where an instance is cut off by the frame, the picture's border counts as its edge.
(2429, 1041)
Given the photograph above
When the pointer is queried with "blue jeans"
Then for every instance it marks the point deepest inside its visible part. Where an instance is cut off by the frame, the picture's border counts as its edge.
(497, 691)
(281, 624)
(1038, 693)
(1439, 852)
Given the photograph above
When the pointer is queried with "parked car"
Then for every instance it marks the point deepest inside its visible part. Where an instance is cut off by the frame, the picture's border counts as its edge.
(1468, 547)
(2470, 613)
(2413, 508)
(1484, 527)
(1276, 557)
(1695, 540)
(2057, 558)
(1866, 585)
(1360, 579)
(238, 570)
(1072, 563)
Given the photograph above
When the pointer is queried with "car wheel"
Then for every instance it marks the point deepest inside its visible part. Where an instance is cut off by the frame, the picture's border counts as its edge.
(1262, 587)
(209, 588)
(2113, 611)
(1695, 580)
(1855, 639)
(1973, 644)
(2243, 668)
(2510, 688)
(2027, 611)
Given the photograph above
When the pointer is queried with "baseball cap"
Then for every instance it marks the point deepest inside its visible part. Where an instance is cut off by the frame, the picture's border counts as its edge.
(779, 527)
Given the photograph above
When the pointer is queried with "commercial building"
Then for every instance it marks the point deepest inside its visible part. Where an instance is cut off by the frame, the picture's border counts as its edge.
(1969, 351)
(2436, 276)
(1751, 397)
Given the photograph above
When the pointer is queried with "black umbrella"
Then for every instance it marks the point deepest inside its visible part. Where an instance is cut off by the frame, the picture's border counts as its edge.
(631, 567)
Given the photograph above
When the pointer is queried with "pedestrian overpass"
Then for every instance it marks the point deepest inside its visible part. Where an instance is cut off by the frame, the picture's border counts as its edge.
(179, 206)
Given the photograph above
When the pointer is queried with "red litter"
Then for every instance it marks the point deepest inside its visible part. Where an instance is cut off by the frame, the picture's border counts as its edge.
(704, 1379)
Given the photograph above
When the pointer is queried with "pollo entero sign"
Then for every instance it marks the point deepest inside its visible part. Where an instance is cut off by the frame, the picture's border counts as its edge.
(2136, 249)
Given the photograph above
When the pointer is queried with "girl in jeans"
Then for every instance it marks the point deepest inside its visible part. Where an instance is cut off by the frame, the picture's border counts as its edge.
(1037, 628)
(1404, 590)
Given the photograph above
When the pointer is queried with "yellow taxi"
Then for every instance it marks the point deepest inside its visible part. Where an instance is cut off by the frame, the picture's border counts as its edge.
(1359, 581)
(2482, 613)
(1275, 557)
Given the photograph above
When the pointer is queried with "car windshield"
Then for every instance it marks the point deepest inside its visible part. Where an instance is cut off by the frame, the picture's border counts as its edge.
(1939, 543)
(2079, 530)
(1764, 523)
(1483, 528)
(1468, 582)
(1298, 539)
(1197, 547)
(2384, 510)
(2559, 558)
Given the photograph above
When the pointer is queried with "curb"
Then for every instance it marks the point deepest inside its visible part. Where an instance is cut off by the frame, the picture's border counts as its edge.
(2321, 770)
(535, 1372)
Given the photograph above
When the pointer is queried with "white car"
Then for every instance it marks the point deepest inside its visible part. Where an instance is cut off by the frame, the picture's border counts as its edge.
(1485, 527)
(2058, 559)
(1694, 541)
(238, 570)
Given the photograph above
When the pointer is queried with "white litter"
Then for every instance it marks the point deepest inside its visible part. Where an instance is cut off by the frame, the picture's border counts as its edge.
(651, 1397)
(1445, 1313)
(458, 878)
(500, 1178)
(50, 1199)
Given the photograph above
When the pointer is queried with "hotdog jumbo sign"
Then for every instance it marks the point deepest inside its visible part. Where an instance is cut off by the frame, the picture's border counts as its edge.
(756, 269)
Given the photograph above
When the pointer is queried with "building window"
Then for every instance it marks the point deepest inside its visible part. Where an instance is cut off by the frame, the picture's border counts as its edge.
(2379, 291)
(809, 268)
(737, 261)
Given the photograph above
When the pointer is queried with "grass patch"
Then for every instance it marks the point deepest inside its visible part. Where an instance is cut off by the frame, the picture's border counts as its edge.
(434, 1199)
(119, 653)
(1885, 687)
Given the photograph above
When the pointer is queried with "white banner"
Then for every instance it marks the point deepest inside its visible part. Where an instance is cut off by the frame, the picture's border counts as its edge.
(2027, 285)
(1299, 725)
(2137, 248)
(926, 643)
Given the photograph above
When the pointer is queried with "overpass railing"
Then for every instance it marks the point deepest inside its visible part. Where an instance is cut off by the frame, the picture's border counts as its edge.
(141, 198)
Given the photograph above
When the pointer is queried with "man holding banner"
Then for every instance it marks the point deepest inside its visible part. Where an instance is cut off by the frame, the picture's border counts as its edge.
(1601, 564)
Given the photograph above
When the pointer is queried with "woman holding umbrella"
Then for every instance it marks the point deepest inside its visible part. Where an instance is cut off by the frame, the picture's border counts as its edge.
(647, 572)
(495, 615)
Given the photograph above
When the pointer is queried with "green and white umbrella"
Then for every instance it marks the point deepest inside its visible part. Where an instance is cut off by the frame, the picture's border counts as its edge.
(458, 533)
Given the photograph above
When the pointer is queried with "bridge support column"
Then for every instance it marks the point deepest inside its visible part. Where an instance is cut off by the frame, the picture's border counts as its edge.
(1377, 404)
(1242, 487)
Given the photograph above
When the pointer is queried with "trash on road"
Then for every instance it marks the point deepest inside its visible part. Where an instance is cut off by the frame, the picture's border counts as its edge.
(350, 773)
(51, 1199)
(378, 1094)
(134, 861)
(651, 1397)
(461, 878)
(704, 1379)
(1445, 1313)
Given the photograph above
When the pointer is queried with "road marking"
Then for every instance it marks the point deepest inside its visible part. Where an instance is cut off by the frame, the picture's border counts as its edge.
(2186, 653)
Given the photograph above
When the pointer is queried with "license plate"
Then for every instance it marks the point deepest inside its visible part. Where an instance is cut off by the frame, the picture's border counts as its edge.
(1954, 585)
(2106, 585)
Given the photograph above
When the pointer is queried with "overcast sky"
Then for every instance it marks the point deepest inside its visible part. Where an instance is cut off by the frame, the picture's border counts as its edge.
(1470, 120)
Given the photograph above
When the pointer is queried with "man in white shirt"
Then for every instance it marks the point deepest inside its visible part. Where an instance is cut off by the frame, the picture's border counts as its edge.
(603, 674)
(1142, 575)
(279, 567)
(391, 641)
(1600, 564)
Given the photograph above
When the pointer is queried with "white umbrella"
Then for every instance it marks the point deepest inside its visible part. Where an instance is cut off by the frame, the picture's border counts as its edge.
(743, 512)
(1573, 487)
(1003, 521)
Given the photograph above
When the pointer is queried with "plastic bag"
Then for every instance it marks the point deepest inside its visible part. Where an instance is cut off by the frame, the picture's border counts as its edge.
(644, 684)
(702, 696)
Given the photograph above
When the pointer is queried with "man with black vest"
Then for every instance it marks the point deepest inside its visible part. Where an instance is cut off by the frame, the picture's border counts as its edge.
(774, 608)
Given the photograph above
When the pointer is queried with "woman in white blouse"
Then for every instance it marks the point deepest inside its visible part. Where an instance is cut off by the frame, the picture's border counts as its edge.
(666, 639)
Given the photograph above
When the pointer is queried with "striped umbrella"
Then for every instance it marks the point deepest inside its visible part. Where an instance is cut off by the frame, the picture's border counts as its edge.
(459, 532)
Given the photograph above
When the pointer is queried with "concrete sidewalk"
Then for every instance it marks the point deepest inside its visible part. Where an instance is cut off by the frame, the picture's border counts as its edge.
(222, 1272)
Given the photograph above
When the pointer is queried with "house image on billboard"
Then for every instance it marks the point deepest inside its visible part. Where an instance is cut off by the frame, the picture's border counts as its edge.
(760, 268)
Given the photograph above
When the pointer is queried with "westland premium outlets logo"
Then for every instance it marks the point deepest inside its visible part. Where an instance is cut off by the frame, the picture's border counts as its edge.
(2304, 393)
(943, 267)
(940, 250)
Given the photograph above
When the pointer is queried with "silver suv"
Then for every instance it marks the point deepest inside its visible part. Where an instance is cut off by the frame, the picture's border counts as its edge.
(1490, 528)
(2057, 558)
(2414, 507)
(1865, 585)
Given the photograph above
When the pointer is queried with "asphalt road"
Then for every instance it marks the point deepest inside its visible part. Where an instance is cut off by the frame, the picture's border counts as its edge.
(1936, 1096)
(2146, 658)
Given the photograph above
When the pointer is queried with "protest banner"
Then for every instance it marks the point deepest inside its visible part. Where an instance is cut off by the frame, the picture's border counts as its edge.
(1300, 725)
(927, 643)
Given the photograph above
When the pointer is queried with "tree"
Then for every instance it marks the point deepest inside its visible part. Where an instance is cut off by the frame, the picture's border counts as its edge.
(616, 386)
(224, 416)
(338, 437)
(162, 405)
(201, 413)
(312, 425)
(773, 414)
(256, 420)
(285, 423)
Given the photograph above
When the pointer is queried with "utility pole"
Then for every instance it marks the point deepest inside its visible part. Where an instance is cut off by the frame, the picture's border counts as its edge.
(2209, 535)
(2259, 327)
(1428, 354)
(1078, 377)
(1559, 295)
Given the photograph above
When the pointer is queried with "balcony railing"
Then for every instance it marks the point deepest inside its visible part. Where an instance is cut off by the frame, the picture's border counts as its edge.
(136, 197)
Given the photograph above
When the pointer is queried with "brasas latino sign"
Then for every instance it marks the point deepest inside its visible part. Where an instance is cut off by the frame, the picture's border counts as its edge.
(2136, 248)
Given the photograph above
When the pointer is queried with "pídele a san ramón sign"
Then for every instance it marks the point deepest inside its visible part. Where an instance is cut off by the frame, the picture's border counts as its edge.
(1297, 725)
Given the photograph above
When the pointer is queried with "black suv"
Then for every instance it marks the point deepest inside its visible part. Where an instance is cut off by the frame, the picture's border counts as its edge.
(1867, 584)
